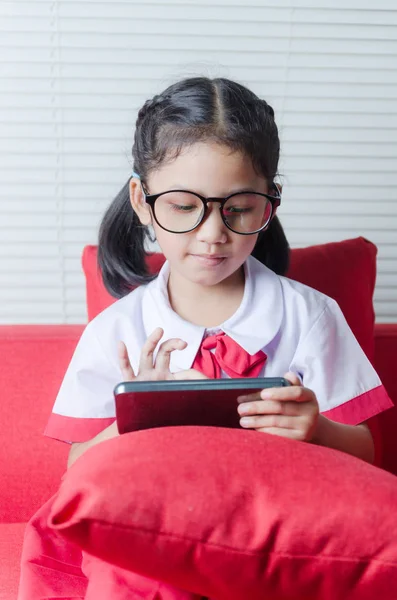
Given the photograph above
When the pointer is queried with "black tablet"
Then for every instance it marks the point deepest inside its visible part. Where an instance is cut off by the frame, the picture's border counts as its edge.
(208, 402)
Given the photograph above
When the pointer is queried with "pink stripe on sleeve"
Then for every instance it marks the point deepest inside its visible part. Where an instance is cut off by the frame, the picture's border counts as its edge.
(73, 429)
(361, 408)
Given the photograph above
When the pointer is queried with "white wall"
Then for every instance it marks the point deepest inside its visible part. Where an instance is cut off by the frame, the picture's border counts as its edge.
(74, 74)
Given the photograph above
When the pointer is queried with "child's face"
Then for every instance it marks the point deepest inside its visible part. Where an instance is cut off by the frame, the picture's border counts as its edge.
(211, 253)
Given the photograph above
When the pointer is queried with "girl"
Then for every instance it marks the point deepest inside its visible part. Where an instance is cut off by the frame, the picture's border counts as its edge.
(205, 160)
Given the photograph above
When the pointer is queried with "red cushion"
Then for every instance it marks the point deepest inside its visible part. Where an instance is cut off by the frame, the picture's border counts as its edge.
(244, 514)
(345, 270)
(98, 298)
(11, 538)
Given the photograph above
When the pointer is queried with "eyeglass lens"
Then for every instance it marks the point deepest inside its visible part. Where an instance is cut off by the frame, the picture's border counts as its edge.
(183, 211)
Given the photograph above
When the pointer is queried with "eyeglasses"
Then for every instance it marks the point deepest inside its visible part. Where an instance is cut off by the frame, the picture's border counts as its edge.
(181, 211)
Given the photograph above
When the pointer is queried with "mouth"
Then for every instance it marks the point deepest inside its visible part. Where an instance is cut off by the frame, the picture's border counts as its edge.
(209, 259)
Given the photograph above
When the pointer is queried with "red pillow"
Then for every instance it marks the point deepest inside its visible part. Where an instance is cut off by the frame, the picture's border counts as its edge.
(345, 270)
(234, 514)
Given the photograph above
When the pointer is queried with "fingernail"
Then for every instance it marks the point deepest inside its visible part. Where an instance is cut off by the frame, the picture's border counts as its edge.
(245, 422)
(265, 395)
(243, 409)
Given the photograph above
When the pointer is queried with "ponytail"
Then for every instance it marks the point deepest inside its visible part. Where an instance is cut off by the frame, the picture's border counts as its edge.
(121, 247)
(272, 248)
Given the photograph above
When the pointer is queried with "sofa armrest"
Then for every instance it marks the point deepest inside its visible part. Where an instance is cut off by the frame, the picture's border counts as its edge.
(33, 361)
(385, 362)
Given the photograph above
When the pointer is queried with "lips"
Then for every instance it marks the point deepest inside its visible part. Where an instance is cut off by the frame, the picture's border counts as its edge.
(214, 256)
(209, 259)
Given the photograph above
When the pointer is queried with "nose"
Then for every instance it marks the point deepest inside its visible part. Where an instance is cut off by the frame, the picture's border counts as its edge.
(212, 230)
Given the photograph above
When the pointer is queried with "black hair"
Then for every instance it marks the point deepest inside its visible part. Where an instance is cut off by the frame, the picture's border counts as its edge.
(189, 111)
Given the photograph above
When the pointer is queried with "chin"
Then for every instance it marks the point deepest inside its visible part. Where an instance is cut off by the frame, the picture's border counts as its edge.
(209, 281)
(207, 278)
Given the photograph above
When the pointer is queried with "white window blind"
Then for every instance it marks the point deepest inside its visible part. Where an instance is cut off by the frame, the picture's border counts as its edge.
(75, 73)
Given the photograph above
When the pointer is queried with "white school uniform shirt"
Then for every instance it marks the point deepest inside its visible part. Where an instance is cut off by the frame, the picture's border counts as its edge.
(298, 328)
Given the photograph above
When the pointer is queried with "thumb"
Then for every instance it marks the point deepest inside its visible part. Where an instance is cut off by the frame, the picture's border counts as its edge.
(293, 378)
(124, 362)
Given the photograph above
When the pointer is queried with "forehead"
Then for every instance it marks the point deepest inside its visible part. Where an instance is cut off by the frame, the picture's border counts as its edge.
(208, 168)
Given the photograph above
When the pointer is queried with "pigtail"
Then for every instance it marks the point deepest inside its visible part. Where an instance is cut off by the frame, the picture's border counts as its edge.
(272, 248)
(121, 247)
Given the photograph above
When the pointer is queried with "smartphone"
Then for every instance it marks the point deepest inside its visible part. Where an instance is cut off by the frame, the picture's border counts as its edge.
(205, 402)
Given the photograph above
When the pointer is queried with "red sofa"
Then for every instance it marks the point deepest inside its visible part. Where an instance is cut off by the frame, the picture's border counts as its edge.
(33, 360)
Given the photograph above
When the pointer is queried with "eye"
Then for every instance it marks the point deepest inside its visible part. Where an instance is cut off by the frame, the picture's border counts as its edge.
(236, 210)
(182, 208)
(179, 202)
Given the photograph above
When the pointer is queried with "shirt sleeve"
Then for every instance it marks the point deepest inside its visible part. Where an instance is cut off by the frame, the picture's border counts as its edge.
(85, 403)
(331, 362)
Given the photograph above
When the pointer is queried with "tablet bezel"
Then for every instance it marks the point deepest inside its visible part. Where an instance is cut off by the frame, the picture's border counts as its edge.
(200, 402)
(173, 385)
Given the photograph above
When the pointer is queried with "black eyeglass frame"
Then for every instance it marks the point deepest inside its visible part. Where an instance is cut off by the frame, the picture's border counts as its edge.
(275, 202)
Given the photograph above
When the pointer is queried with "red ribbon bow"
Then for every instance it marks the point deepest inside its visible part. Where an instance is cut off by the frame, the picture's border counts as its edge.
(228, 356)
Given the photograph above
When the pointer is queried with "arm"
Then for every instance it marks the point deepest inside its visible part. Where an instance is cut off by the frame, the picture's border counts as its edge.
(293, 412)
(79, 449)
(352, 439)
(149, 370)
(127, 373)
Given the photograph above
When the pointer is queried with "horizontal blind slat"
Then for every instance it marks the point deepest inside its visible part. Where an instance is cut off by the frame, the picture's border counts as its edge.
(313, 5)
(255, 25)
(222, 62)
(141, 11)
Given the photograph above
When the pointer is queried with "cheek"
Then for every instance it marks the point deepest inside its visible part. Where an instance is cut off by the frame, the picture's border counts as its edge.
(246, 244)
(171, 244)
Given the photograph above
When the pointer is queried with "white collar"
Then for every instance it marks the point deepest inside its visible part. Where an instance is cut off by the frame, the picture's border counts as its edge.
(254, 324)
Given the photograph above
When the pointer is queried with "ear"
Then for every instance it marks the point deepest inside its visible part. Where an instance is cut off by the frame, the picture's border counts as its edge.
(137, 200)
(279, 187)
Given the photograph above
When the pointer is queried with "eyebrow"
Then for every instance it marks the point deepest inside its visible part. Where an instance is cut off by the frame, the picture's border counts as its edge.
(178, 186)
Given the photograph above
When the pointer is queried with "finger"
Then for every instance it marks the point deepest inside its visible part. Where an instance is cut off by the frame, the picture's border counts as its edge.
(270, 407)
(269, 422)
(292, 434)
(293, 393)
(127, 371)
(249, 398)
(163, 357)
(292, 378)
(148, 348)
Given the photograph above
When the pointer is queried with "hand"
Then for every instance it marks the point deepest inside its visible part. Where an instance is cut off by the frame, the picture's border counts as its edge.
(150, 370)
(290, 412)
